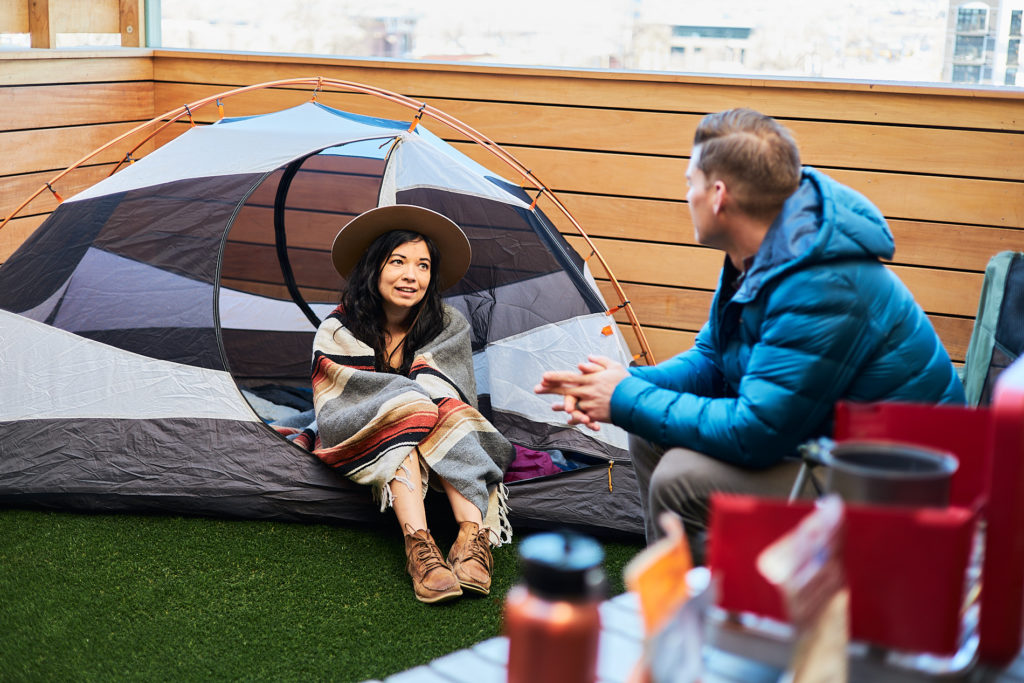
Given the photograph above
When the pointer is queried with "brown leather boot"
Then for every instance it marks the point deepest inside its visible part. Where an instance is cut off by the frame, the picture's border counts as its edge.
(432, 578)
(470, 558)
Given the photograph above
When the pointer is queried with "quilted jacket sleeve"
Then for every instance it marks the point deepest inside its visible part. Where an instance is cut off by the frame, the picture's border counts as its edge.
(814, 334)
(693, 371)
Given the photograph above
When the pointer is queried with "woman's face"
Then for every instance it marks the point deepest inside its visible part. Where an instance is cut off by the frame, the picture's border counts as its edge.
(405, 276)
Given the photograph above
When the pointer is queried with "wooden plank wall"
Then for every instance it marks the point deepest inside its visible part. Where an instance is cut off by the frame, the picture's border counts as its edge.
(943, 164)
(55, 108)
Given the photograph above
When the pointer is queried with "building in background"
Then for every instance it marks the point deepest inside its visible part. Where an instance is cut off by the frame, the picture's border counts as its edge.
(870, 40)
(968, 42)
(983, 42)
(708, 48)
(391, 35)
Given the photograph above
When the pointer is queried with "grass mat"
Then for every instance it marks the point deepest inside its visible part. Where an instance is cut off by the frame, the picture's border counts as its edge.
(112, 597)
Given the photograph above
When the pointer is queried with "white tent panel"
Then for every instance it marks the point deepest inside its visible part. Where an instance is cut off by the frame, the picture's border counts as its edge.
(374, 148)
(422, 163)
(244, 311)
(109, 292)
(513, 366)
(48, 373)
(454, 154)
(241, 146)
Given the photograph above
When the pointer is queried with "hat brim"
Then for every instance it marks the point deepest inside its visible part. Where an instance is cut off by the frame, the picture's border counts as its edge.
(359, 233)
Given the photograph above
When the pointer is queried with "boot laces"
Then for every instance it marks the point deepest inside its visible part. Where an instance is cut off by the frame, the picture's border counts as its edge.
(428, 555)
(477, 548)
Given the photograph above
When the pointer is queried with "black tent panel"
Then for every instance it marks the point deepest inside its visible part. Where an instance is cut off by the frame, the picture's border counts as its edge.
(178, 226)
(221, 468)
(268, 354)
(45, 261)
(604, 496)
(225, 468)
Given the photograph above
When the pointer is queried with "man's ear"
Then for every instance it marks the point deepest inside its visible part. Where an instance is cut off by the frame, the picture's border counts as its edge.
(721, 194)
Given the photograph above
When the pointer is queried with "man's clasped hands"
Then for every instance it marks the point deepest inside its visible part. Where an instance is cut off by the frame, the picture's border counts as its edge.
(586, 394)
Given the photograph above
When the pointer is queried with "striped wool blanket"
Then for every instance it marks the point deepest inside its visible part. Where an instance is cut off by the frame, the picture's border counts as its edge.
(368, 422)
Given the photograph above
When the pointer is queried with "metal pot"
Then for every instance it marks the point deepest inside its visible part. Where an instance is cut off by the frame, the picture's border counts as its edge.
(889, 473)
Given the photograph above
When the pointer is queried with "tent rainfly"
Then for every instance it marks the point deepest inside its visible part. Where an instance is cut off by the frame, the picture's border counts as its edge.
(149, 323)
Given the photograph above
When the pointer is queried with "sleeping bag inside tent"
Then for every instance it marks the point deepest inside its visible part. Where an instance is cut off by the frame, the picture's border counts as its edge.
(157, 323)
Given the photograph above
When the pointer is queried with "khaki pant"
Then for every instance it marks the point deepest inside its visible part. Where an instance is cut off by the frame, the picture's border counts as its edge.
(682, 481)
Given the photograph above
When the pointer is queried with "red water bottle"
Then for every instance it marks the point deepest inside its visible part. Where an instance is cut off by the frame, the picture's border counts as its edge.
(551, 617)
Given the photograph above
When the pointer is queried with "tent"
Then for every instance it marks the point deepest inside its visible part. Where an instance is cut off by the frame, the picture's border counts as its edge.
(150, 321)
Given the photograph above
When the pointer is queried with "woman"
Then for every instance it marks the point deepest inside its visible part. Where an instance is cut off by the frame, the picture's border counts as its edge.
(395, 395)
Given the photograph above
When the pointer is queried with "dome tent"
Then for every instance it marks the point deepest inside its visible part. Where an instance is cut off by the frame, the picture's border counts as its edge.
(141, 309)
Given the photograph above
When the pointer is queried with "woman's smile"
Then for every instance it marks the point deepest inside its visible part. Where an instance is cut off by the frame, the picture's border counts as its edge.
(404, 276)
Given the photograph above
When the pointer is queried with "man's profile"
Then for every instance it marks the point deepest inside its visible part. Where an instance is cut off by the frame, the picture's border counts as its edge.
(805, 314)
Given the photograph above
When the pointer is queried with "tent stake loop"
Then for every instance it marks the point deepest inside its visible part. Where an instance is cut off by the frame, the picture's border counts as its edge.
(615, 309)
(55, 194)
(416, 120)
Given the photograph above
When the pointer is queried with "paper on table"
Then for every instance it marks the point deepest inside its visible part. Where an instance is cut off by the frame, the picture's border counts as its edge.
(658, 574)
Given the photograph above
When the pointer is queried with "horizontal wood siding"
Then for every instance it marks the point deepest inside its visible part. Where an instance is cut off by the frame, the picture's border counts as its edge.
(943, 164)
(58, 106)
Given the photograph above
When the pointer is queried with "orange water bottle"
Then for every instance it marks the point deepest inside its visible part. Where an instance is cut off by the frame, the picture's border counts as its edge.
(551, 617)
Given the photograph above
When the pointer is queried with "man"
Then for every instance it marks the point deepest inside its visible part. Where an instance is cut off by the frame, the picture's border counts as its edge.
(804, 315)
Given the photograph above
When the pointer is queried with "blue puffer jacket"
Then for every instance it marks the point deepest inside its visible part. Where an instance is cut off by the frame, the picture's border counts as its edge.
(817, 318)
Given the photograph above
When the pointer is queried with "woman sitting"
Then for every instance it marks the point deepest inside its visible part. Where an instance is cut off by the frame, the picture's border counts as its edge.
(395, 395)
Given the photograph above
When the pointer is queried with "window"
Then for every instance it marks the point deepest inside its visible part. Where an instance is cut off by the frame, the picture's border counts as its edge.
(969, 48)
(881, 40)
(1011, 76)
(966, 73)
(971, 19)
(739, 32)
(1013, 52)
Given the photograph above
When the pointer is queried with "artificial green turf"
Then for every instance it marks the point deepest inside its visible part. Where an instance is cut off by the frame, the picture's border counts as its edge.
(111, 597)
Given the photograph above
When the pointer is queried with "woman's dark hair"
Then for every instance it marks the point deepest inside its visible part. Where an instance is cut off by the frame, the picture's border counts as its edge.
(364, 307)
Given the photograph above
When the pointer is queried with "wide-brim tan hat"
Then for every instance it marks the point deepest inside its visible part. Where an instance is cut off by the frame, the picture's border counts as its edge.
(359, 233)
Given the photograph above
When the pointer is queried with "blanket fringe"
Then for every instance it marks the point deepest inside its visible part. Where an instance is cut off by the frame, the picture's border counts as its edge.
(385, 494)
(504, 532)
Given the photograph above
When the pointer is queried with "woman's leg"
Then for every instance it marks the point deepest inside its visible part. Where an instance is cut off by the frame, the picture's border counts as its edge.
(470, 555)
(408, 499)
(462, 508)
(432, 578)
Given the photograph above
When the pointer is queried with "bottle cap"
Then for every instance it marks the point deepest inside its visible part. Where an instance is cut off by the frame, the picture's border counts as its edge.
(563, 565)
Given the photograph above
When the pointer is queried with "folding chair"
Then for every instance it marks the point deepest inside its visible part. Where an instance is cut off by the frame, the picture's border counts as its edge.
(998, 335)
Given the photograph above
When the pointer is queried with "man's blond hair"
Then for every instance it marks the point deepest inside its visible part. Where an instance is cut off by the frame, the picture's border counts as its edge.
(754, 154)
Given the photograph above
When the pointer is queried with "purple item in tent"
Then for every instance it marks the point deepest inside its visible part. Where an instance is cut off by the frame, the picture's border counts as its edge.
(529, 464)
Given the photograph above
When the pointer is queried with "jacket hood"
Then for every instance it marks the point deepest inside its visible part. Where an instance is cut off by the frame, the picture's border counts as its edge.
(822, 221)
